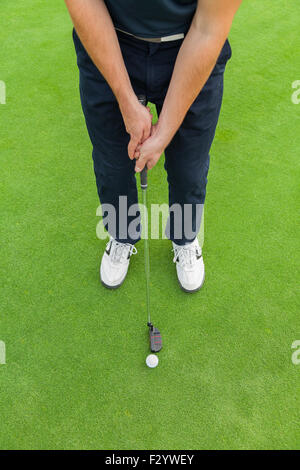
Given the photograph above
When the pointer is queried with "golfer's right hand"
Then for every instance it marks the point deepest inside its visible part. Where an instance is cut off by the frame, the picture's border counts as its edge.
(138, 120)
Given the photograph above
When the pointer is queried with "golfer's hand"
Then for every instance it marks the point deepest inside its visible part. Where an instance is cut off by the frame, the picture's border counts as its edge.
(149, 152)
(138, 120)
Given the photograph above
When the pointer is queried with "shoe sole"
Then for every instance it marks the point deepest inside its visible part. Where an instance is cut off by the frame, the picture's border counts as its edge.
(111, 287)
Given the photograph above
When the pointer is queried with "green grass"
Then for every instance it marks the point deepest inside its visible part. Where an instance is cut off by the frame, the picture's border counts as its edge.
(75, 375)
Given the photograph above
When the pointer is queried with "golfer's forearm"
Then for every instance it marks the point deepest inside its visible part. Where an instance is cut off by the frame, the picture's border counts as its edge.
(195, 61)
(94, 26)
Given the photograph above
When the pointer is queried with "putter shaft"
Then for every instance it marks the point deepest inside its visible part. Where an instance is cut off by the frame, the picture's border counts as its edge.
(147, 257)
(154, 333)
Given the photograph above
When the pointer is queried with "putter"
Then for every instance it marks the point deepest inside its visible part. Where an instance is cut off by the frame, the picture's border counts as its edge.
(154, 333)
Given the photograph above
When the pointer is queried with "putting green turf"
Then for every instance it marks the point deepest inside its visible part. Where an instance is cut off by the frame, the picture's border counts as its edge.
(75, 375)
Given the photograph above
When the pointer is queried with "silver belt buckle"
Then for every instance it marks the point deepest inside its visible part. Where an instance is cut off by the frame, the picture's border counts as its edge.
(174, 37)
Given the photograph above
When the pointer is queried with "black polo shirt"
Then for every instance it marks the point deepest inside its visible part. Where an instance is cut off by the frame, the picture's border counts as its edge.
(152, 18)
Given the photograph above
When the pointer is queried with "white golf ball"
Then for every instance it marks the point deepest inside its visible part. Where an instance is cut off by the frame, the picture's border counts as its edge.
(152, 360)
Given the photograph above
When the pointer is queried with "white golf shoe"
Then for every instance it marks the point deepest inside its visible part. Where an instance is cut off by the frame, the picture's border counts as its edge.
(189, 266)
(115, 263)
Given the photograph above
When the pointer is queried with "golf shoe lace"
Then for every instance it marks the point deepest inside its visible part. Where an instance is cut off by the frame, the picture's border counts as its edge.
(186, 256)
(120, 252)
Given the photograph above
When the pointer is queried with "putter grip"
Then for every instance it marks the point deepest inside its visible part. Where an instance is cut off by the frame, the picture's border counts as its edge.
(144, 176)
(142, 99)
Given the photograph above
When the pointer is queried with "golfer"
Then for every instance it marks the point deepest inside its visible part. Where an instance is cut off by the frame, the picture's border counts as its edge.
(173, 52)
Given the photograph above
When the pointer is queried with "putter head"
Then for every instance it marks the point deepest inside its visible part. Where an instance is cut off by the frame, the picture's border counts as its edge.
(155, 338)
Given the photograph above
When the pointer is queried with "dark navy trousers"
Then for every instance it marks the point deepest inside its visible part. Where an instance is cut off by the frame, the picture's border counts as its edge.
(150, 67)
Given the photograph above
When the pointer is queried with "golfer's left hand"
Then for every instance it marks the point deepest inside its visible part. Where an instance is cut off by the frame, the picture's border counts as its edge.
(149, 152)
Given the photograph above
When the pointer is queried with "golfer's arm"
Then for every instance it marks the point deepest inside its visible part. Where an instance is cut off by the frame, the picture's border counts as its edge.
(195, 62)
(94, 26)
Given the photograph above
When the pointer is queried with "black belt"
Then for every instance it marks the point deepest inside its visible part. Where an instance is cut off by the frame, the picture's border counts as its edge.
(173, 37)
